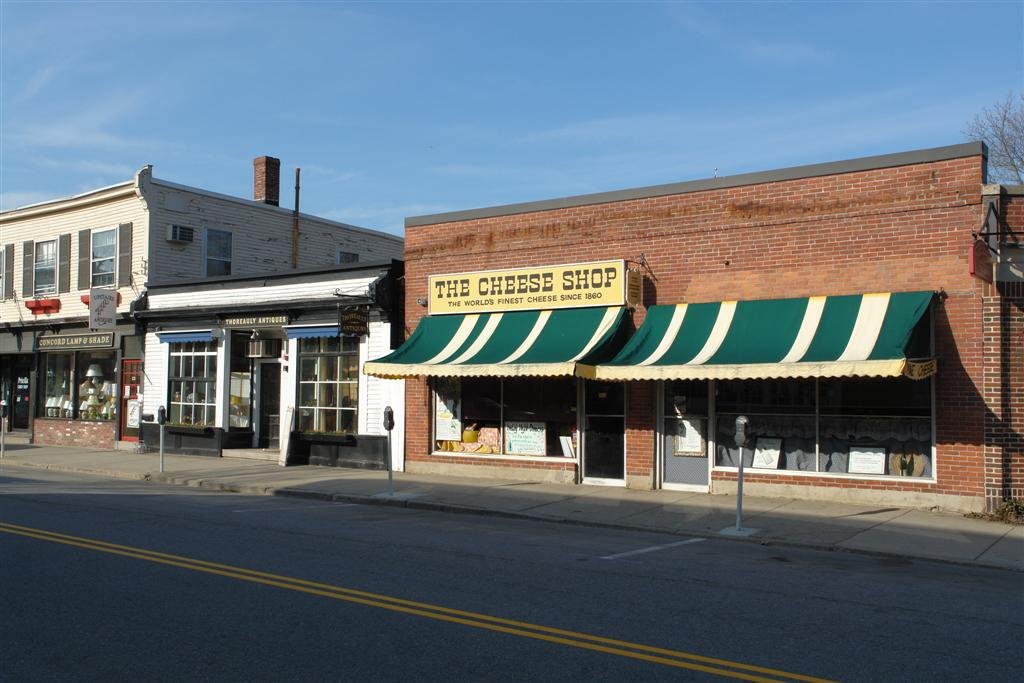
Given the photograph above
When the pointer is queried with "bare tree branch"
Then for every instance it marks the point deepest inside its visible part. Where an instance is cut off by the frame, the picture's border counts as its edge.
(1001, 127)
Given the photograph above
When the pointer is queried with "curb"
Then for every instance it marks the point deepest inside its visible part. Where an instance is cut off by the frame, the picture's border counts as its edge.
(449, 508)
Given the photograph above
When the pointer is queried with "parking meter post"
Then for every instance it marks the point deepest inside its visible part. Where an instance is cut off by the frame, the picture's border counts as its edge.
(3, 429)
(741, 438)
(389, 424)
(161, 418)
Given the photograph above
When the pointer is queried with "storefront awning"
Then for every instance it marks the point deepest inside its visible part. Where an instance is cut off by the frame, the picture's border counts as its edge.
(183, 337)
(520, 343)
(311, 332)
(822, 336)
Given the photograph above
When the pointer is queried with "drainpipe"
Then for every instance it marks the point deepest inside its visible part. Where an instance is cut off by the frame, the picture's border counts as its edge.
(295, 223)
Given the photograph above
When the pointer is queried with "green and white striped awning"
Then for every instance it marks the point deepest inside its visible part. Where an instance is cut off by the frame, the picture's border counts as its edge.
(820, 336)
(520, 343)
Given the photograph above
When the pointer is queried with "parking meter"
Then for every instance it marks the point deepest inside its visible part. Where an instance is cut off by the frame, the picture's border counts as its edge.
(161, 415)
(389, 424)
(741, 438)
(3, 426)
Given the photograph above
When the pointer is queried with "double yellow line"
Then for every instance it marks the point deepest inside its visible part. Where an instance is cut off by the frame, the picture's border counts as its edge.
(621, 648)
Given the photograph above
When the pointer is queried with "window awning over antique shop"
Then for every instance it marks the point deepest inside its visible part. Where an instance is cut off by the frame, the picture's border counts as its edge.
(183, 337)
(822, 336)
(519, 343)
(311, 332)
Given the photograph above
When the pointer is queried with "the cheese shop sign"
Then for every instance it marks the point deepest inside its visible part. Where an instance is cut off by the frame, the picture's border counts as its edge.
(519, 289)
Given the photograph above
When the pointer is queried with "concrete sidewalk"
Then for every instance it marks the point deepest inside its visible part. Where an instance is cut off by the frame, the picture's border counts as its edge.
(835, 526)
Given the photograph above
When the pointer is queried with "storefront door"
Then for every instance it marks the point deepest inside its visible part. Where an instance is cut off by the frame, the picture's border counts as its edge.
(131, 380)
(684, 439)
(269, 405)
(604, 423)
(14, 388)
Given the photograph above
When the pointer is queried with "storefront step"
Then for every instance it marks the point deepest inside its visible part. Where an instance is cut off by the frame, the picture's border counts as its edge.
(270, 454)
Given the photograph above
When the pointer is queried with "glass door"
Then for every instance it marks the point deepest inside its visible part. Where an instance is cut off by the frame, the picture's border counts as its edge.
(131, 409)
(604, 426)
(684, 439)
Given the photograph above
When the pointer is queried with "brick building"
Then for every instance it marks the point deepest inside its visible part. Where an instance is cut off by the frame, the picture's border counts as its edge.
(847, 310)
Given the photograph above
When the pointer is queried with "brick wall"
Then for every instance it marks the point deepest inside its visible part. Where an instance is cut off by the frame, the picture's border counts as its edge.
(895, 229)
(1004, 376)
(73, 433)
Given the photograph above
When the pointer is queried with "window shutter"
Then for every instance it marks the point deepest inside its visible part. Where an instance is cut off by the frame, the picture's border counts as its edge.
(64, 263)
(8, 272)
(28, 269)
(84, 259)
(124, 255)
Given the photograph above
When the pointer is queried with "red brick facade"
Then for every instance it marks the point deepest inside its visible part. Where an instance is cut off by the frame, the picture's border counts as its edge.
(1004, 373)
(904, 228)
(74, 433)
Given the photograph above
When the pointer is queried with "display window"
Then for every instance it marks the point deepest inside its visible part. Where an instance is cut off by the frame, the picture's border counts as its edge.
(329, 385)
(847, 426)
(518, 416)
(193, 384)
(79, 385)
(240, 384)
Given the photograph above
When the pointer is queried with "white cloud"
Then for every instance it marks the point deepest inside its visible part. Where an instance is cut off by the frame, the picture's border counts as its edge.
(13, 200)
(89, 127)
(38, 81)
(757, 49)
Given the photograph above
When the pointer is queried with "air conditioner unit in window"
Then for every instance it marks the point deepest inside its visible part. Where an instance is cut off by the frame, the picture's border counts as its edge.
(180, 233)
(264, 348)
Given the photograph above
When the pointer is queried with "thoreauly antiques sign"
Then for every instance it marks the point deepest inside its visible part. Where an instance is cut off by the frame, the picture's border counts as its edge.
(262, 320)
(354, 320)
(103, 340)
(577, 285)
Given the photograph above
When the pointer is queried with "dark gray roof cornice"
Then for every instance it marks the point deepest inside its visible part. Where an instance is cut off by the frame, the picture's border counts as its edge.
(922, 156)
(318, 274)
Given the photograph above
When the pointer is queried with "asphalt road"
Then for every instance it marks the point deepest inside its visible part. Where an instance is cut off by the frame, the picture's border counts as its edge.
(214, 586)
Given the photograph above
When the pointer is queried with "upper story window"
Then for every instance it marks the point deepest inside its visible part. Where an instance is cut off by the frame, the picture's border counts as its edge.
(3, 273)
(104, 252)
(347, 257)
(218, 252)
(45, 270)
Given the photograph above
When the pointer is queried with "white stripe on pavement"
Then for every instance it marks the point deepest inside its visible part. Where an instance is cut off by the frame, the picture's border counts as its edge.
(653, 548)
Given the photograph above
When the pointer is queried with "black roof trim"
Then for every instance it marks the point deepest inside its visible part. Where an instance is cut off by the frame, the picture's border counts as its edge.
(319, 273)
(922, 156)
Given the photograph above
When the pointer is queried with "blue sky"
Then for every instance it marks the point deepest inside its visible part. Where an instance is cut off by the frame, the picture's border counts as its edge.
(402, 109)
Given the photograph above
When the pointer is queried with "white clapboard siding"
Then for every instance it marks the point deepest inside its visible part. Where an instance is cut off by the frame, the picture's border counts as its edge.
(261, 234)
(105, 209)
(252, 293)
(154, 380)
(378, 393)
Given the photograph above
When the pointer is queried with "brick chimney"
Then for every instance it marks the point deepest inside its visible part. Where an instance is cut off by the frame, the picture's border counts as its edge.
(266, 180)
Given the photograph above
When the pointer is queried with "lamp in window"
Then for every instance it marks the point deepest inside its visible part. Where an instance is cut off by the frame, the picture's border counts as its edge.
(68, 407)
(94, 371)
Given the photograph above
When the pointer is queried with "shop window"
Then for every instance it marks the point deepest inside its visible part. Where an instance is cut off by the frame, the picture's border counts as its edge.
(97, 397)
(856, 426)
(58, 396)
(329, 385)
(94, 397)
(240, 384)
(514, 416)
(104, 251)
(193, 383)
(218, 252)
(45, 269)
